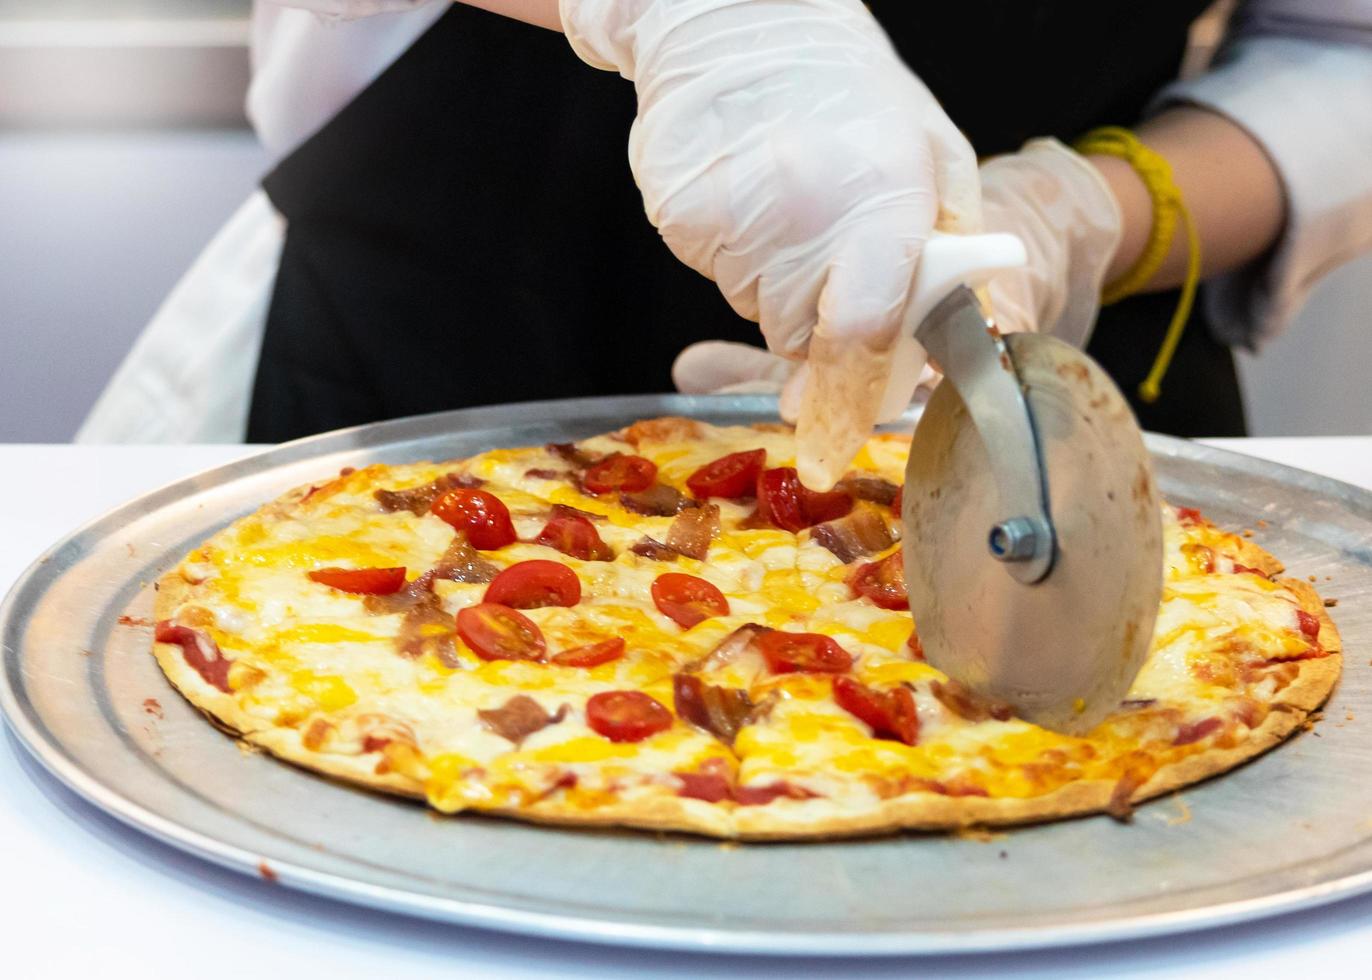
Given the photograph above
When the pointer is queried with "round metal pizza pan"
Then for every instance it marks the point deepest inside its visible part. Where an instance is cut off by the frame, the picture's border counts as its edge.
(1292, 829)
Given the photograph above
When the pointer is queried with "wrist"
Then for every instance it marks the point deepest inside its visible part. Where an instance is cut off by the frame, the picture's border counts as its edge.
(1135, 207)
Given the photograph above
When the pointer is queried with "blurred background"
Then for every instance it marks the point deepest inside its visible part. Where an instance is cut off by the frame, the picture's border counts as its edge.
(123, 148)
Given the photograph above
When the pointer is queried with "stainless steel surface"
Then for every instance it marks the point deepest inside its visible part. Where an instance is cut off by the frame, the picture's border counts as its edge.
(1063, 649)
(973, 357)
(1291, 830)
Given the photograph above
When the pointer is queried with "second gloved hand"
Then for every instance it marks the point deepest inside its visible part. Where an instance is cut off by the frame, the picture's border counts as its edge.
(1062, 209)
(1048, 196)
(785, 151)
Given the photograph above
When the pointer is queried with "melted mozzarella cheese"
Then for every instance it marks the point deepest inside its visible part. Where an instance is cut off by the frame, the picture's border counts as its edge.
(307, 652)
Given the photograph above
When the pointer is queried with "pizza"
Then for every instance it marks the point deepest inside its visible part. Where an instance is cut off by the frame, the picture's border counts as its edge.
(663, 628)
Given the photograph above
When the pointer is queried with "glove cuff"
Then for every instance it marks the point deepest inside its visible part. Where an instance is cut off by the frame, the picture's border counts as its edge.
(1097, 199)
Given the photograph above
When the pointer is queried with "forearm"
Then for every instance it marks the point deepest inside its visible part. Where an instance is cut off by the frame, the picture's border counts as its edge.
(542, 13)
(1228, 182)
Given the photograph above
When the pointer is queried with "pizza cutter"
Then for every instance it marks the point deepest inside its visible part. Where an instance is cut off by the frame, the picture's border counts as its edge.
(1033, 538)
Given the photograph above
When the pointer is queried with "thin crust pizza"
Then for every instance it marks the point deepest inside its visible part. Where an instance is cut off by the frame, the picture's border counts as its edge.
(663, 628)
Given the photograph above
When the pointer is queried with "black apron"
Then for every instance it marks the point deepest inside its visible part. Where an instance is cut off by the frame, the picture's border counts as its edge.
(467, 230)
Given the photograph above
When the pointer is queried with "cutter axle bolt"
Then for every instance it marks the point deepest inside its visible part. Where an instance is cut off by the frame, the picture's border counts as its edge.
(1013, 540)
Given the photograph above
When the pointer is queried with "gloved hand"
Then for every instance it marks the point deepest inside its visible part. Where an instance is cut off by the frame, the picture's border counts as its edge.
(784, 151)
(1051, 198)
(1062, 209)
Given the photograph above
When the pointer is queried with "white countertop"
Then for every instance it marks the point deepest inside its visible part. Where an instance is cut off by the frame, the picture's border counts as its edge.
(82, 894)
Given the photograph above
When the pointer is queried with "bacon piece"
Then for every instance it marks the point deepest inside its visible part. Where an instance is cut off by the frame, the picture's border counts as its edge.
(1136, 703)
(519, 717)
(566, 510)
(541, 473)
(863, 532)
(376, 731)
(1282, 673)
(1195, 731)
(572, 454)
(1250, 712)
(461, 563)
(656, 550)
(566, 780)
(418, 500)
(962, 785)
(659, 500)
(762, 795)
(714, 783)
(729, 648)
(721, 711)
(872, 488)
(692, 531)
(404, 600)
(968, 704)
(426, 628)
(200, 652)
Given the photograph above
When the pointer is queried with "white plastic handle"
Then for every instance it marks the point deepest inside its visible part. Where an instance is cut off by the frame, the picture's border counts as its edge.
(948, 261)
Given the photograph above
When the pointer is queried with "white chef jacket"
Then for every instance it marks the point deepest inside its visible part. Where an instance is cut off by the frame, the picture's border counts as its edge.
(1296, 74)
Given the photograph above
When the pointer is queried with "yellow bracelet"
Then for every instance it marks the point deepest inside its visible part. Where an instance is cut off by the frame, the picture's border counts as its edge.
(1168, 208)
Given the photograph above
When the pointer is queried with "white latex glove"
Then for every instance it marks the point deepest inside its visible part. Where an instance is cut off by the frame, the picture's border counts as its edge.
(1049, 197)
(1066, 215)
(784, 151)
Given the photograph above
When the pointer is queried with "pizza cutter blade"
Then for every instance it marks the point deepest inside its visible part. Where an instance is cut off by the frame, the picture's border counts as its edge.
(1033, 538)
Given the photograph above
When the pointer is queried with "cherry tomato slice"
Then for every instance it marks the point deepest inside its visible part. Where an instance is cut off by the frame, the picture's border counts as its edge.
(1189, 515)
(687, 600)
(729, 476)
(535, 584)
(626, 716)
(779, 500)
(574, 536)
(883, 582)
(479, 515)
(619, 472)
(785, 502)
(361, 581)
(592, 654)
(496, 632)
(891, 714)
(807, 653)
(821, 507)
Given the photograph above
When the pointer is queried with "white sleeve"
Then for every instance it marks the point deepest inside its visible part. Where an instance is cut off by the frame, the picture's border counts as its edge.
(306, 68)
(352, 9)
(1297, 75)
